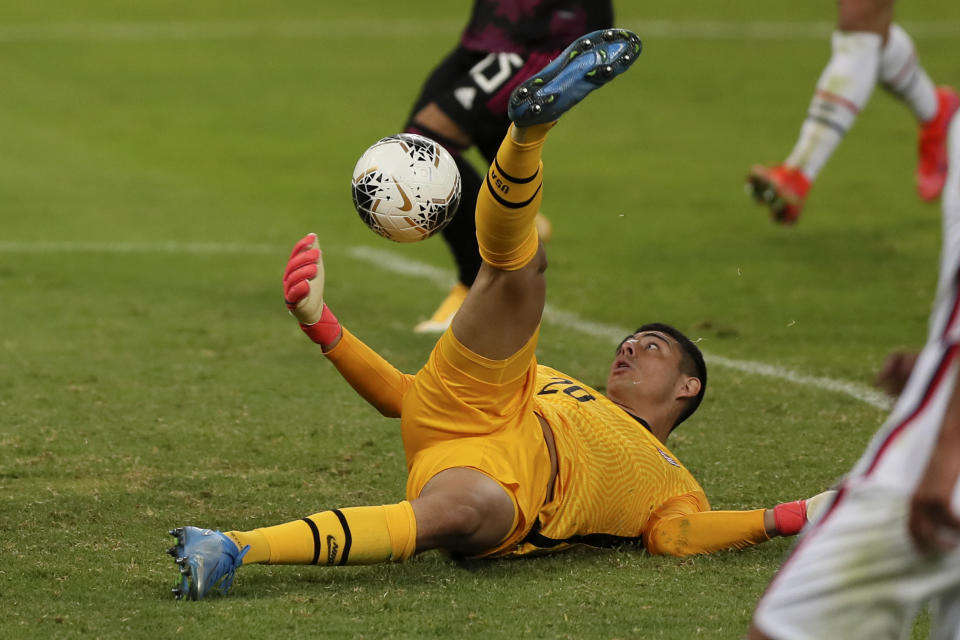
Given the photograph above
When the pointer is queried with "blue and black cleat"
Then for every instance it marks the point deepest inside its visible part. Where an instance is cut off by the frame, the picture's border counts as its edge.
(205, 558)
(589, 62)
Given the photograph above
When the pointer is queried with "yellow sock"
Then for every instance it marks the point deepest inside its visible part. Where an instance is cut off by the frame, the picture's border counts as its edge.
(259, 547)
(357, 535)
(510, 199)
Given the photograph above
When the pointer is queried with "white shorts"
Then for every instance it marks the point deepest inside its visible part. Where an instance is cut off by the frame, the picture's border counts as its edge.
(856, 574)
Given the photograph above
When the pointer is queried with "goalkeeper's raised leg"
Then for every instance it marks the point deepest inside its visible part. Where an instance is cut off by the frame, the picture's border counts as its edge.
(502, 311)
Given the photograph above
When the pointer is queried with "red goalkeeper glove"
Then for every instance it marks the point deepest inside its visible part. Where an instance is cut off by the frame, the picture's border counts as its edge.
(303, 293)
(790, 517)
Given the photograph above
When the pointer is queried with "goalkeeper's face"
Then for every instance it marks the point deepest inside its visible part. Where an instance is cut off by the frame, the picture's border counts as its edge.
(647, 369)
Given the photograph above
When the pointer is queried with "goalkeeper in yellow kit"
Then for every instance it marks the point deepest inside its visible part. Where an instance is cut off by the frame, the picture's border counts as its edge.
(506, 457)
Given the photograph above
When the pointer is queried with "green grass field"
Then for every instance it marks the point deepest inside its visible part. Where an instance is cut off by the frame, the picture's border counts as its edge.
(157, 161)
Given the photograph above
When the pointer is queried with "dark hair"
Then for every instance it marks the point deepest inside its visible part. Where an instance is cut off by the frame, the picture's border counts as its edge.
(691, 364)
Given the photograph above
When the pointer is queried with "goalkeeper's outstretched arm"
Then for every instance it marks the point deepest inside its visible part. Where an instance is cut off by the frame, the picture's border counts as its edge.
(685, 526)
(376, 380)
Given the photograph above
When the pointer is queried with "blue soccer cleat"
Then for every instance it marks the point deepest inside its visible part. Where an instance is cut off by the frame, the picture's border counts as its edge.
(206, 557)
(590, 62)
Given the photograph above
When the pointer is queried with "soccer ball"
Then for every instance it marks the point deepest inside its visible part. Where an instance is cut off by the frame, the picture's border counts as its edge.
(406, 187)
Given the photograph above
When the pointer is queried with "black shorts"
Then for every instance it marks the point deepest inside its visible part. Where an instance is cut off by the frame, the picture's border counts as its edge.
(473, 87)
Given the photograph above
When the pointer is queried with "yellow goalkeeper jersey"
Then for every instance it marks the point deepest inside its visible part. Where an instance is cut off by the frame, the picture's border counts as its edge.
(612, 473)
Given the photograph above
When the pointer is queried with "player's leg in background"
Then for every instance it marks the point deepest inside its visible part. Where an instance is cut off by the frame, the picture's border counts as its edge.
(846, 84)
(902, 75)
(842, 90)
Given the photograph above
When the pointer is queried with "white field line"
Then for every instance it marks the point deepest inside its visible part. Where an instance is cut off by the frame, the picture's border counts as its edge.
(136, 31)
(136, 247)
(614, 334)
(443, 279)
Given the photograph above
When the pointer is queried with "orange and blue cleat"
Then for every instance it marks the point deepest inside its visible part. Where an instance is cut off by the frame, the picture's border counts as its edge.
(588, 63)
(932, 146)
(781, 188)
(206, 559)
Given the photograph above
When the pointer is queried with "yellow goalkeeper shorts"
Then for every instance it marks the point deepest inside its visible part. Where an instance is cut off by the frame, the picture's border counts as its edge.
(465, 410)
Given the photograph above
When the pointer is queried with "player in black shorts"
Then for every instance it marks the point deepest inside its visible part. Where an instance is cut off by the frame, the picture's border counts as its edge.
(463, 103)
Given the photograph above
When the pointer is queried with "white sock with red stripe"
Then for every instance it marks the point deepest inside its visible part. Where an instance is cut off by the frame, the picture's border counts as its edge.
(903, 76)
(843, 89)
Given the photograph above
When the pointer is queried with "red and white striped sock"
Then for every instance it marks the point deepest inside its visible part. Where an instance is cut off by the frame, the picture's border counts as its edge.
(842, 91)
(902, 75)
